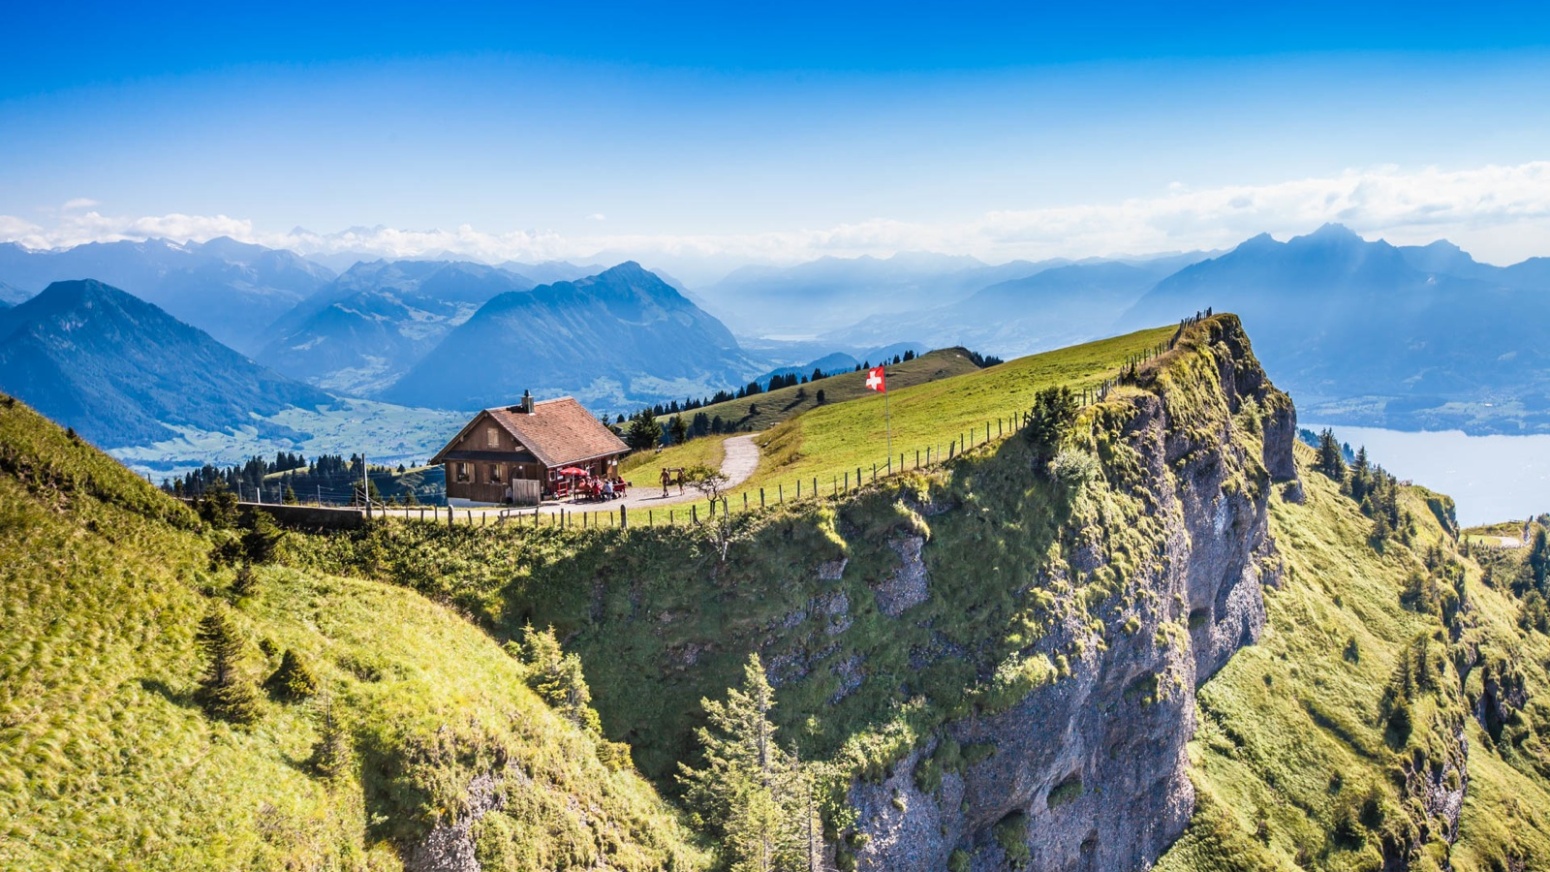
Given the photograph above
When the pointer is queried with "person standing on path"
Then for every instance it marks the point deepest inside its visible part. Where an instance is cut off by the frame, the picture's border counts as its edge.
(665, 479)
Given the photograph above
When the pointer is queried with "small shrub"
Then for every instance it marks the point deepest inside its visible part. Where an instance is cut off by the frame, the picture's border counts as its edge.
(958, 861)
(245, 583)
(293, 681)
(1065, 793)
(1011, 834)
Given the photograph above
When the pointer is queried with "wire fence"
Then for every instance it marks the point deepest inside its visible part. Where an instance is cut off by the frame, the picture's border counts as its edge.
(771, 495)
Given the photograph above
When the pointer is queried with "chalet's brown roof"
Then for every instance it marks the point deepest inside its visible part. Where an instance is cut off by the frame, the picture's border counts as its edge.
(558, 432)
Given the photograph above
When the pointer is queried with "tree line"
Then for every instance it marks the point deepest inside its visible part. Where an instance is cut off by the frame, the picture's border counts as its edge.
(328, 478)
(1374, 489)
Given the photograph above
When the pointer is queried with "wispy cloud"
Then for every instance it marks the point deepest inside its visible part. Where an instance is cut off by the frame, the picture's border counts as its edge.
(79, 203)
(1501, 213)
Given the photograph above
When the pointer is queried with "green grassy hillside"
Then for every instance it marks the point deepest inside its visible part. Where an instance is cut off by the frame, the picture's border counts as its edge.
(934, 401)
(1300, 760)
(1337, 742)
(1392, 715)
(108, 761)
(966, 409)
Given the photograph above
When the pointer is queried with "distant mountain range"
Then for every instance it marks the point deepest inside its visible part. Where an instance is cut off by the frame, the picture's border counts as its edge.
(612, 340)
(360, 333)
(827, 294)
(1360, 332)
(1365, 332)
(229, 289)
(122, 371)
(1052, 307)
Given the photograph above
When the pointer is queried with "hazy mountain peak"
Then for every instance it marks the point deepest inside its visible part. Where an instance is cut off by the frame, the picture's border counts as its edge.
(1333, 231)
(124, 372)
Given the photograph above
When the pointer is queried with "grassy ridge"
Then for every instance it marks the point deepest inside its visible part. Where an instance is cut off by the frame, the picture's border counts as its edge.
(763, 411)
(828, 441)
(934, 400)
(106, 761)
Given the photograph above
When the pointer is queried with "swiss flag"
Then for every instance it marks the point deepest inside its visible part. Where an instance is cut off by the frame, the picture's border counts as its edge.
(874, 380)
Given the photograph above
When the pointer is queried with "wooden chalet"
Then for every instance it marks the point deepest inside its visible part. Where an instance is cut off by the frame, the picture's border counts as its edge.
(516, 452)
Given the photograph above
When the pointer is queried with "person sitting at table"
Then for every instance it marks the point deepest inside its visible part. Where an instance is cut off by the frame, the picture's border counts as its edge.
(608, 488)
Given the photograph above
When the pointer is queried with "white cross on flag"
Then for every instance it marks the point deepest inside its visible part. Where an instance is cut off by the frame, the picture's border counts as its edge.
(874, 380)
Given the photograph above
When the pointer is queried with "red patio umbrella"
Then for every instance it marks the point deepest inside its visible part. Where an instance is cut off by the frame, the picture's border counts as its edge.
(574, 470)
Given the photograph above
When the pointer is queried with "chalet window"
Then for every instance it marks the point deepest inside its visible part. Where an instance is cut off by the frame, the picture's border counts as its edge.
(496, 473)
(462, 472)
(492, 437)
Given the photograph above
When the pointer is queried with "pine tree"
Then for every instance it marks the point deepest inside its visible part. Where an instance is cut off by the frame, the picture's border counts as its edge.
(557, 677)
(245, 582)
(1054, 410)
(678, 429)
(1538, 560)
(752, 793)
(293, 680)
(225, 692)
(218, 506)
(1330, 462)
(290, 496)
(331, 754)
(644, 432)
(261, 539)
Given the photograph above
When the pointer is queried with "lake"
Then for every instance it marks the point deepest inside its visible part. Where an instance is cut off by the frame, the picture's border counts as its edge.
(1493, 478)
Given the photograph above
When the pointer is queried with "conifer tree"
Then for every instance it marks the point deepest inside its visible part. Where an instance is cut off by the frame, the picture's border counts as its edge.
(751, 792)
(1330, 462)
(225, 692)
(678, 429)
(557, 677)
(293, 680)
(1045, 425)
(1538, 559)
(290, 496)
(331, 754)
(644, 433)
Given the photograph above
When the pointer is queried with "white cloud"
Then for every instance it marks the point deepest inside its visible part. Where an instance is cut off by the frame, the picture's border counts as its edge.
(78, 203)
(1500, 213)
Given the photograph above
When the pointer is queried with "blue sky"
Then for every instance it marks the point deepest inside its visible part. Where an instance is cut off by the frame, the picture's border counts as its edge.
(728, 132)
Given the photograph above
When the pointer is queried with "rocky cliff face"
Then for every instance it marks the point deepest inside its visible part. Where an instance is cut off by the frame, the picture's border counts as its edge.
(1089, 771)
(995, 662)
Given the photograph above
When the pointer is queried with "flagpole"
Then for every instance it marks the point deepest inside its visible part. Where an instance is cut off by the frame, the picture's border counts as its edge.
(887, 422)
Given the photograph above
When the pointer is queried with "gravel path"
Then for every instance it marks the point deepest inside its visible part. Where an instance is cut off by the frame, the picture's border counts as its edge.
(742, 458)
